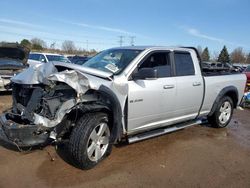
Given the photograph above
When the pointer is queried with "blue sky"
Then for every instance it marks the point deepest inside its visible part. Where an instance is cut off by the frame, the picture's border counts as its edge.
(98, 23)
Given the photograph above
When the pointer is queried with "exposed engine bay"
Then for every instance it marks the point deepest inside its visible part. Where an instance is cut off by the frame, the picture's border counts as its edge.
(40, 99)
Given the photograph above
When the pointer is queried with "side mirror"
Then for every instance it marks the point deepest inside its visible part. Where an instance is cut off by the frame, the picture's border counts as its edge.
(43, 60)
(145, 74)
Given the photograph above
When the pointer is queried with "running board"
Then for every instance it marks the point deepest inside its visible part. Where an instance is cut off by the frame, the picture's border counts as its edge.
(159, 132)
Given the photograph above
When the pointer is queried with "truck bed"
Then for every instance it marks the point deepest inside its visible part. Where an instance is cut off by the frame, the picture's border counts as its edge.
(213, 86)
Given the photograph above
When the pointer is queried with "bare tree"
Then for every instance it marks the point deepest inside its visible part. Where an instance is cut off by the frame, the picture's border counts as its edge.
(68, 46)
(38, 44)
(238, 56)
(215, 56)
(199, 48)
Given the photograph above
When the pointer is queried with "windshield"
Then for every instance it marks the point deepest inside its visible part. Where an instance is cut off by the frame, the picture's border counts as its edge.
(10, 62)
(12, 53)
(57, 58)
(113, 60)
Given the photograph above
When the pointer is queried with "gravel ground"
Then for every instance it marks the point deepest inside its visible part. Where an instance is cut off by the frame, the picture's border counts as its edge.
(198, 156)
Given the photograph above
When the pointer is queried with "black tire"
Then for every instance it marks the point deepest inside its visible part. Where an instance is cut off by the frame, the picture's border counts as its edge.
(214, 119)
(79, 139)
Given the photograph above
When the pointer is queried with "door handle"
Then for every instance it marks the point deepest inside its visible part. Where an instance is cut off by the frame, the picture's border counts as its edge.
(196, 84)
(168, 86)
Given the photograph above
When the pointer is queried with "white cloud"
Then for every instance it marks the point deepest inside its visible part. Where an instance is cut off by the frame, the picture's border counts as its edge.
(196, 33)
(111, 29)
(105, 28)
(16, 22)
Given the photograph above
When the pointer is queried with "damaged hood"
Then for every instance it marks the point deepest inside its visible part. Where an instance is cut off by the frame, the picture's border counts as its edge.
(13, 55)
(79, 78)
(91, 71)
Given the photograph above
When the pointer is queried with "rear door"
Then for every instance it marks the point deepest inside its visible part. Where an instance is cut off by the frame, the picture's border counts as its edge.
(189, 86)
(151, 102)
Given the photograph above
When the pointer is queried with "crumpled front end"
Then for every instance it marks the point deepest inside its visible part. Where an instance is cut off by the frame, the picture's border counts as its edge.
(21, 134)
(42, 96)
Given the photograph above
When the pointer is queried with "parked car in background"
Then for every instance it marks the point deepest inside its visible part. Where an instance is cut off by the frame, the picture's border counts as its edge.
(239, 67)
(217, 66)
(38, 57)
(13, 59)
(206, 65)
(247, 72)
(79, 60)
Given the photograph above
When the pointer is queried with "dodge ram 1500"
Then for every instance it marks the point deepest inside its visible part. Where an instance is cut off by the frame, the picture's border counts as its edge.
(122, 94)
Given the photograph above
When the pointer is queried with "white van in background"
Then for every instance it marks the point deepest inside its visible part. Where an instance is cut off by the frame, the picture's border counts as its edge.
(38, 57)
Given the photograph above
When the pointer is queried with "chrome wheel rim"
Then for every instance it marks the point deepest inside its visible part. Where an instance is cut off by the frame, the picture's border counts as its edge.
(225, 112)
(98, 142)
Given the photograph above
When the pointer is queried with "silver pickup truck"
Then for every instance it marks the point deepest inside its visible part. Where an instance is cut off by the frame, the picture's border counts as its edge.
(122, 94)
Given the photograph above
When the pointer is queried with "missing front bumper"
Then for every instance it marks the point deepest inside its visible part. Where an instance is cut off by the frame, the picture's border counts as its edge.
(23, 135)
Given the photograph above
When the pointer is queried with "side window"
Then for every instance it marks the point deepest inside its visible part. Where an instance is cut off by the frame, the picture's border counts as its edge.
(34, 57)
(31, 56)
(160, 61)
(184, 64)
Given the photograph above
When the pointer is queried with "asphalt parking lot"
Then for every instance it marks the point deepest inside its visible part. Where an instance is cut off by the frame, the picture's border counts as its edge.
(198, 156)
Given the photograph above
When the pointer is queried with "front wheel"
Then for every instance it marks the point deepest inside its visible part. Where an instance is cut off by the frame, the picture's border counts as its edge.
(89, 140)
(223, 113)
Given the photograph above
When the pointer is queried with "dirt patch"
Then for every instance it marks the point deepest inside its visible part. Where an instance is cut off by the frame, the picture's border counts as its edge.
(198, 156)
(5, 101)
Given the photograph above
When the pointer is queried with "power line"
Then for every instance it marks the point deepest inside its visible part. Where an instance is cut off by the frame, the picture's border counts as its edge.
(121, 40)
(132, 40)
(57, 39)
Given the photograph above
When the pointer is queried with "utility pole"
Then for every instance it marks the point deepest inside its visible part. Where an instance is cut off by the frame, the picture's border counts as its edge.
(87, 45)
(121, 40)
(132, 40)
(52, 46)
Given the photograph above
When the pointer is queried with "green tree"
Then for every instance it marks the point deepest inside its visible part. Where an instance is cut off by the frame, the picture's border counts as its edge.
(224, 56)
(26, 43)
(205, 56)
(37, 47)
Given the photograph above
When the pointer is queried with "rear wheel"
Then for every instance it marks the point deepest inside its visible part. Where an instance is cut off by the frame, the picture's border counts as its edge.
(89, 141)
(223, 113)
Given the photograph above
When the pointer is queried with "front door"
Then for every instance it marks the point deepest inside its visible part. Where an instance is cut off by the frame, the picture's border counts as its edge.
(152, 102)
